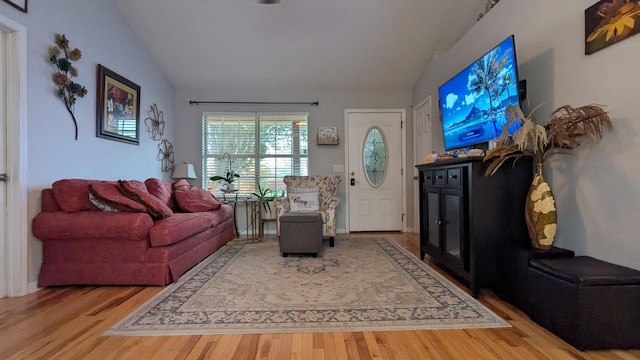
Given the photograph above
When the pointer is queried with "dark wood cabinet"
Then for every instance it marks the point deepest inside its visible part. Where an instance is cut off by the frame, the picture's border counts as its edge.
(466, 217)
(443, 220)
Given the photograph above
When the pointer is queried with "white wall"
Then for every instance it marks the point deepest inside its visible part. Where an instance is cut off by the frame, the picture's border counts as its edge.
(101, 32)
(330, 112)
(597, 189)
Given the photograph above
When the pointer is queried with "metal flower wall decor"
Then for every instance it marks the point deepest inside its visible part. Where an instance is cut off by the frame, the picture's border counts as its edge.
(165, 155)
(60, 58)
(155, 122)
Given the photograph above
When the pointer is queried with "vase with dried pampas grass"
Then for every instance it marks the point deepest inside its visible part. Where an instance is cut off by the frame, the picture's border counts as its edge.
(565, 130)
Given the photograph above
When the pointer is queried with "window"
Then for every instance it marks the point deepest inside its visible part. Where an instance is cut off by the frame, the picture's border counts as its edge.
(261, 147)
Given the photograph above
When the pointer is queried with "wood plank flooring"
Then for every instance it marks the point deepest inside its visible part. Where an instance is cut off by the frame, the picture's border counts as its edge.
(67, 323)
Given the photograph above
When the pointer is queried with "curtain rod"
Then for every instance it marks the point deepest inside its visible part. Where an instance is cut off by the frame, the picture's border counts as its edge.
(193, 102)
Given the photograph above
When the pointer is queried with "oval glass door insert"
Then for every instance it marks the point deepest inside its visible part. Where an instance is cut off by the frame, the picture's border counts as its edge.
(374, 156)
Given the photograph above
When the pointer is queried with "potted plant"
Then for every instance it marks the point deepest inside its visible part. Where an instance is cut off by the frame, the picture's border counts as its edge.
(265, 196)
(228, 179)
(566, 127)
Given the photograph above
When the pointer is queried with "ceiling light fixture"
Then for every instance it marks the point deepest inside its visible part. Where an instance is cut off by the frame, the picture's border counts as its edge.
(268, 1)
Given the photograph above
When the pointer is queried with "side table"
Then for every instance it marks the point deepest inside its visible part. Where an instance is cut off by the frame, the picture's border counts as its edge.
(233, 200)
(262, 221)
(251, 212)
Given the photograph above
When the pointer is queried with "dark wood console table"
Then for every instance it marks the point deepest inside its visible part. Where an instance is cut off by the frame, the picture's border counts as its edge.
(466, 217)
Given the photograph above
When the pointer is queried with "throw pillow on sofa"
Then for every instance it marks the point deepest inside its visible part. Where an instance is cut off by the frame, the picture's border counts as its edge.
(192, 199)
(72, 195)
(109, 194)
(137, 190)
(162, 190)
(101, 204)
(182, 183)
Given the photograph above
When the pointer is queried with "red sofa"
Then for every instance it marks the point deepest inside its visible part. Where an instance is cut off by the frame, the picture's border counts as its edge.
(85, 244)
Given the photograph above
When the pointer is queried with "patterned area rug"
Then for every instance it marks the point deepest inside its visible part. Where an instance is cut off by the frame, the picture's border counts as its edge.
(358, 285)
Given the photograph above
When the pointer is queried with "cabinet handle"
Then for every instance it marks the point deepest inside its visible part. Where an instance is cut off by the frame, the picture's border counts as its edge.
(453, 176)
(439, 222)
(439, 176)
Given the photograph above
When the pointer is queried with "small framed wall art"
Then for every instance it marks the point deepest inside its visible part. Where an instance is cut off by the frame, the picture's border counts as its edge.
(18, 4)
(608, 22)
(327, 136)
(118, 108)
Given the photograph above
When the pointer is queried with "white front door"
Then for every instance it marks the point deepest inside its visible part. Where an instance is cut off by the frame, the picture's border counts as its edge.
(421, 147)
(374, 169)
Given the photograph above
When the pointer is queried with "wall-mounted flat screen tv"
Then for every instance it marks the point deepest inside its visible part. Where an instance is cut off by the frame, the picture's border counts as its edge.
(473, 103)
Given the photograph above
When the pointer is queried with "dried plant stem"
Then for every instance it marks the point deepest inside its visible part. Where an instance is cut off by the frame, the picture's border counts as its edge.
(566, 128)
(73, 117)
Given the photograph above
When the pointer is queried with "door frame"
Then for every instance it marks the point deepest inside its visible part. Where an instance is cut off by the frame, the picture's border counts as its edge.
(403, 179)
(415, 173)
(15, 258)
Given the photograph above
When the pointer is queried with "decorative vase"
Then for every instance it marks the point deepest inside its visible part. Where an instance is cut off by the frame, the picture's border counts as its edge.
(540, 211)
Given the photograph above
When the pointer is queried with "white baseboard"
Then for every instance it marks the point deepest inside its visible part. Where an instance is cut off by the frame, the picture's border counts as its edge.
(33, 287)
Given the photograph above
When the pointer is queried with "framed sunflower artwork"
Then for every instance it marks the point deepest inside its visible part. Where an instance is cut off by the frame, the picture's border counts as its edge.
(608, 22)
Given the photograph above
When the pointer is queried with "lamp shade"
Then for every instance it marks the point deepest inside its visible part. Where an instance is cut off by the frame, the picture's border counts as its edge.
(184, 171)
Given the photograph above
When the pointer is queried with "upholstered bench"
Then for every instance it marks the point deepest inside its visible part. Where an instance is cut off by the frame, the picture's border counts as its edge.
(300, 233)
(590, 303)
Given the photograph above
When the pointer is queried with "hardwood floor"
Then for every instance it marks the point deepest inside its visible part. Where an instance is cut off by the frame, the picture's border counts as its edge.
(67, 323)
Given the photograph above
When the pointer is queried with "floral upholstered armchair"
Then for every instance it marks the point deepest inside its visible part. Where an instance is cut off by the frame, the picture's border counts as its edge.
(327, 186)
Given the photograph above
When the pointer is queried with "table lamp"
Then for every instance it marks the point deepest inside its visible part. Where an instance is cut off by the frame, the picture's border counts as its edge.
(184, 171)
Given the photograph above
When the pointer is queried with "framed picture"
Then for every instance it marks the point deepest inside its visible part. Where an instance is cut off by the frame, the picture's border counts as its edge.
(327, 136)
(118, 108)
(608, 22)
(18, 4)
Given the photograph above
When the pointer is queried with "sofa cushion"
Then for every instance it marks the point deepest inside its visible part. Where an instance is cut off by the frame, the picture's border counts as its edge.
(162, 190)
(91, 225)
(137, 190)
(109, 194)
(48, 201)
(192, 199)
(72, 195)
(178, 227)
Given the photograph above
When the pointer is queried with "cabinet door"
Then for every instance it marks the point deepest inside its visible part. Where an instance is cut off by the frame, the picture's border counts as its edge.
(454, 247)
(431, 221)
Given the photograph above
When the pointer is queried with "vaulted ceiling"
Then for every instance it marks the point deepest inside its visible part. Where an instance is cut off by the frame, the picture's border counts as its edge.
(364, 45)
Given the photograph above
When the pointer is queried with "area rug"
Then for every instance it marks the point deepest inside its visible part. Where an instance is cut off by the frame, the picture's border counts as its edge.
(359, 285)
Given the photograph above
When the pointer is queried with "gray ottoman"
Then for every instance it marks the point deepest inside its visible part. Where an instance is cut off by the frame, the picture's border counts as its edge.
(301, 233)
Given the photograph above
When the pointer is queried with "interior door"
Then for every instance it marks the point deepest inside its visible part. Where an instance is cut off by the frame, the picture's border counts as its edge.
(421, 147)
(374, 170)
(3, 171)
(13, 154)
